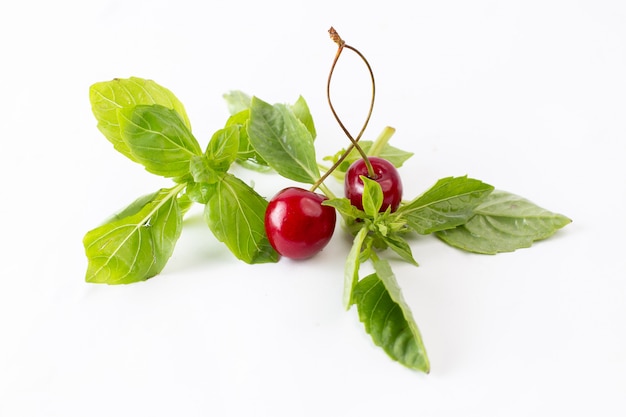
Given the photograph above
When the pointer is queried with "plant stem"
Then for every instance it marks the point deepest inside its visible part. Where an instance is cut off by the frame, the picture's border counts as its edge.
(381, 141)
(354, 140)
(341, 43)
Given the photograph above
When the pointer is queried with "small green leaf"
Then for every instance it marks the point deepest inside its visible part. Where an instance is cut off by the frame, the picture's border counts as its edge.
(345, 208)
(108, 97)
(202, 171)
(158, 139)
(283, 141)
(246, 154)
(449, 203)
(351, 269)
(222, 148)
(400, 247)
(237, 101)
(235, 214)
(388, 319)
(137, 243)
(372, 197)
(301, 110)
(504, 222)
(200, 192)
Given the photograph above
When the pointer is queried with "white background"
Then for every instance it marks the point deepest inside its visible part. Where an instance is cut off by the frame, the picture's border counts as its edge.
(529, 96)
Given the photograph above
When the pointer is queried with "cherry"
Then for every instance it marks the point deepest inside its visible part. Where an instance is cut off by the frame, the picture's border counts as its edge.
(297, 225)
(385, 174)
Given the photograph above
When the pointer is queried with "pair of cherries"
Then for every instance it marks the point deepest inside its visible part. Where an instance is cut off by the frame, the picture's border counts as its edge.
(296, 223)
(298, 226)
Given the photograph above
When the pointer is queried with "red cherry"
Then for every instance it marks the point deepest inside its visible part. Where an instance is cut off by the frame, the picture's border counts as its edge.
(297, 224)
(386, 175)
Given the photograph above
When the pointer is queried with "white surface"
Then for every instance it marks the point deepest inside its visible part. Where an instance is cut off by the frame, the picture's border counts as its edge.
(527, 96)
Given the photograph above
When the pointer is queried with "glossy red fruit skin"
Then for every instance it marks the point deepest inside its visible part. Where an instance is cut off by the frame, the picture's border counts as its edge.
(297, 225)
(386, 175)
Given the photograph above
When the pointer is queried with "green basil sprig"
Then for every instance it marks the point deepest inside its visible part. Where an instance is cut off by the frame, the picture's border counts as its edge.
(148, 124)
(464, 212)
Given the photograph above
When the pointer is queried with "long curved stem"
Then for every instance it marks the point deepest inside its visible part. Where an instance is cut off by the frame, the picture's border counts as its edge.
(354, 140)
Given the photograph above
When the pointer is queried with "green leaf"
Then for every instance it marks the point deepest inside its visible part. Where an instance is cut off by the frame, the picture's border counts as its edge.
(137, 243)
(237, 101)
(388, 319)
(449, 203)
(400, 247)
(372, 196)
(133, 208)
(235, 214)
(345, 208)
(283, 141)
(396, 156)
(222, 148)
(301, 110)
(351, 269)
(246, 154)
(504, 222)
(158, 139)
(200, 192)
(108, 97)
(202, 171)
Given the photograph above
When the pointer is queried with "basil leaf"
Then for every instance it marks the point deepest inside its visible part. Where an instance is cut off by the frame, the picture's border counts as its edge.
(237, 101)
(184, 203)
(388, 319)
(109, 96)
(200, 192)
(345, 208)
(351, 269)
(246, 155)
(223, 147)
(158, 139)
(235, 214)
(133, 208)
(301, 110)
(372, 198)
(447, 204)
(202, 171)
(504, 222)
(283, 141)
(400, 247)
(137, 243)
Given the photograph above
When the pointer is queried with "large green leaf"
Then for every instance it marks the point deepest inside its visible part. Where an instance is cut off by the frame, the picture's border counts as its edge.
(388, 318)
(135, 244)
(504, 222)
(283, 141)
(158, 139)
(447, 204)
(235, 214)
(108, 97)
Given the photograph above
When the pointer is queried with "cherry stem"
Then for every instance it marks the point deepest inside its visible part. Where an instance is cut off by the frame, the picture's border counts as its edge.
(354, 141)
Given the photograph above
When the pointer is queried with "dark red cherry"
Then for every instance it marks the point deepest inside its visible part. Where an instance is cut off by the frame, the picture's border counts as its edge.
(385, 174)
(297, 224)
